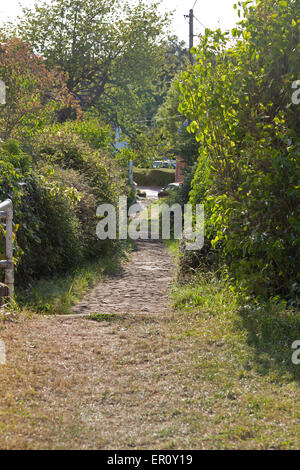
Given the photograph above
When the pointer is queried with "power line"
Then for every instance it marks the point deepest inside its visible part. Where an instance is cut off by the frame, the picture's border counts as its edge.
(194, 4)
(200, 22)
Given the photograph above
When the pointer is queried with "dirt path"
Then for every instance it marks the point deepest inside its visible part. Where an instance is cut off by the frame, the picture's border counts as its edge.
(71, 382)
(142, 286)
(142, 378)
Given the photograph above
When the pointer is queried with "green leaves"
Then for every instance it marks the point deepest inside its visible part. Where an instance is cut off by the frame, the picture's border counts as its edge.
(193, 127)
(237, 98)
(112, 52)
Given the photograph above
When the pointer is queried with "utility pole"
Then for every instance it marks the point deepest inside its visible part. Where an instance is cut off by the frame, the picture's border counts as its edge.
(190, 16)
(191, 41)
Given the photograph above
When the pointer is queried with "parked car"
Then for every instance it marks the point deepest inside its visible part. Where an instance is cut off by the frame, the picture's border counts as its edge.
(169, 189)
(164, 164)
(169, 164)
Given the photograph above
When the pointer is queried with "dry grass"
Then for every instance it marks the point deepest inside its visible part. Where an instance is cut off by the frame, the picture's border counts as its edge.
(84, 384)
(204, 376)
(139, 382)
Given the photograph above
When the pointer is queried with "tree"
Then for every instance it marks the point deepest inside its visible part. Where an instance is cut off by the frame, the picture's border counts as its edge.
(111, 52)
(176, 60)
(173, 126)
(33, 92)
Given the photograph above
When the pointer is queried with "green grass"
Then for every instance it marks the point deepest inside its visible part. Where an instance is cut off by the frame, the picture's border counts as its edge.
(159, 177)
(259, 333)
(57, 295)
(172, 246)
(99, 317)
(241, 355)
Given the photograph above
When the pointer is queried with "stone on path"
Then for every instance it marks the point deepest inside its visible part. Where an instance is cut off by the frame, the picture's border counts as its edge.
(143, 285)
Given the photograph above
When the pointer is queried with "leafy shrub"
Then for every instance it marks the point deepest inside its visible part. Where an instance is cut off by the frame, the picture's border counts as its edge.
(55, 196)
(68, 150)
(45, 225)
(92, 131)
(49, 231)
(238, 99)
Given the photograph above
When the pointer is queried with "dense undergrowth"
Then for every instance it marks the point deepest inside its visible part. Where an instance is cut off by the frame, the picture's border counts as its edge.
(240, 99)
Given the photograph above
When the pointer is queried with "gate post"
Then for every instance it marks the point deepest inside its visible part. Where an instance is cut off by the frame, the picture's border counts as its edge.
(6, 211)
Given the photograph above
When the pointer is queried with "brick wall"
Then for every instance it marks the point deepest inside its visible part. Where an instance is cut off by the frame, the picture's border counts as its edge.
(179, 174)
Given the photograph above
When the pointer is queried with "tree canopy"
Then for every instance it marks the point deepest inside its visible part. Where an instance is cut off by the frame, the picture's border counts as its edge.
(34, 92)
(112, 52)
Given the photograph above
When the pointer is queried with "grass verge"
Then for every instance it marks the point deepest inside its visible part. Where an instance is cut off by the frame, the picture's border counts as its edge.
(243, 357)
(57, 295)
(172, 246)
(153, 177)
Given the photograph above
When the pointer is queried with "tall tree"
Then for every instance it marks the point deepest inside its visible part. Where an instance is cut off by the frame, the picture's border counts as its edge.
(34, 92)
(112, 52)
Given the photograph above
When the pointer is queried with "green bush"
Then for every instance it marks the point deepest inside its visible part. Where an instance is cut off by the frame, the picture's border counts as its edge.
(238, 99)
(97, 135)
(45, 227)
(49, 231)
(55, 194)
(66, 149)
(15, 166)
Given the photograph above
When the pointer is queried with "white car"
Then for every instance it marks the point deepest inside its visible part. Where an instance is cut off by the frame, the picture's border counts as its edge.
(169, 189)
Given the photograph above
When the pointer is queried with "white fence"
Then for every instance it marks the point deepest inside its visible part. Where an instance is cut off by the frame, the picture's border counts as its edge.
(6, 212)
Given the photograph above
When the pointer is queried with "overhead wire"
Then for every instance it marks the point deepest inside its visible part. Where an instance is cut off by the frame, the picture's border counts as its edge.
(203, 26)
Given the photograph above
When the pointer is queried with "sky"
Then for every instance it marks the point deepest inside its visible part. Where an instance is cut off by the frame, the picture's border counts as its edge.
(211, 13)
